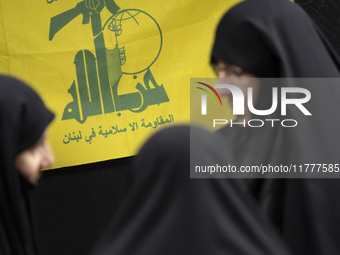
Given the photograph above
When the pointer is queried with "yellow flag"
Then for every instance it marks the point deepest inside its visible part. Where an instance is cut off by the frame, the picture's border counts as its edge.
(112, 71)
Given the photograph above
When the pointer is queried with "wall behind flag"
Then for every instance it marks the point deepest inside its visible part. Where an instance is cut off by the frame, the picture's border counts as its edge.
(114, 72)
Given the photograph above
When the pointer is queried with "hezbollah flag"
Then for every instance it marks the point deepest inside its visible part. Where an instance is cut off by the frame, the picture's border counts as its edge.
(112, 71)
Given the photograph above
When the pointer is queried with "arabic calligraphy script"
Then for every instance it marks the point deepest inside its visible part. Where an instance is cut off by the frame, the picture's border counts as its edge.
(77, 136)
(95, 90)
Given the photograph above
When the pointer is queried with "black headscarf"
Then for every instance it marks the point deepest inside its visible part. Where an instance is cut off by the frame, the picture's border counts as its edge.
(276, 38)
(23, 120)
(165, 212)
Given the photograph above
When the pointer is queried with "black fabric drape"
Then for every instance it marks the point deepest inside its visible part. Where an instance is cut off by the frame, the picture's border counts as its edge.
(23, 119)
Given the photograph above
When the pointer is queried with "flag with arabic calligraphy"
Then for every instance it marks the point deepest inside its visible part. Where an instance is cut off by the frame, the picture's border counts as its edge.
(113, 71)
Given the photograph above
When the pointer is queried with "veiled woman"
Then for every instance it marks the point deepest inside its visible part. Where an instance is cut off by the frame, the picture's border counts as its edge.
(276, 38)
(24, 151)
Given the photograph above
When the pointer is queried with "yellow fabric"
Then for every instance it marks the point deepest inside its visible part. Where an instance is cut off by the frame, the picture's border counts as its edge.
(168, 41)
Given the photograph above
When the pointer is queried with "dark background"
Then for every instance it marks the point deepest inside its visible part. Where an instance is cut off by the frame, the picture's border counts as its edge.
(72, 206)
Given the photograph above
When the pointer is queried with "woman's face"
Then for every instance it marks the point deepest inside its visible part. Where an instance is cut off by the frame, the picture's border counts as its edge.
(240, 79)
(32, 160)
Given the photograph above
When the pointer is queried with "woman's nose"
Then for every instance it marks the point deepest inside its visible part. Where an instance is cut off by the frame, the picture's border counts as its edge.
(49, 159)
(222, 74)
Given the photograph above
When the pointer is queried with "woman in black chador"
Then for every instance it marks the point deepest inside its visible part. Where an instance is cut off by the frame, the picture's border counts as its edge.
(276, 38)
(24, 150)
(166, 212)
